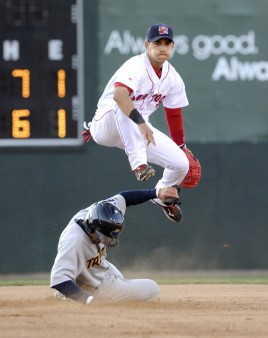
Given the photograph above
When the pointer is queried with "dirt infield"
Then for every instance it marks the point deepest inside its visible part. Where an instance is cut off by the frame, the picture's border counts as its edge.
(182, 311)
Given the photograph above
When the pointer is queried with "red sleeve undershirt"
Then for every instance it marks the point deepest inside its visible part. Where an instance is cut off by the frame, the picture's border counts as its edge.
(175, 125)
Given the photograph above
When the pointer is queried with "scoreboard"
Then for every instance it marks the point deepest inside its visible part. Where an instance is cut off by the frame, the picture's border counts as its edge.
(41, 73)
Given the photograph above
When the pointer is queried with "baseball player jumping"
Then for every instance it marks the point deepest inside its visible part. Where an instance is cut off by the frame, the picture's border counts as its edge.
(133, 93)
(81, 271)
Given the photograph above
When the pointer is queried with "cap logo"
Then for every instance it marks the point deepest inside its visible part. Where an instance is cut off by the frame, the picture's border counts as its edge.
(163, 30)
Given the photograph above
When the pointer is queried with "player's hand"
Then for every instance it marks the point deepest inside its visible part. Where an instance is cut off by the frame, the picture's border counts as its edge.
(86, 133)
(187, 151)
(89, 300)
(147, 133)
(168, 193)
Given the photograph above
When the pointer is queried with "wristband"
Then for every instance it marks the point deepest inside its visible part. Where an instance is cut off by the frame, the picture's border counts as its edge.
(136, 117)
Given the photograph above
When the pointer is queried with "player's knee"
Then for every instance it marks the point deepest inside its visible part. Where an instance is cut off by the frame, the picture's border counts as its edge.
(146, 289)
(185, 165)
(153, 290)
(182, 165)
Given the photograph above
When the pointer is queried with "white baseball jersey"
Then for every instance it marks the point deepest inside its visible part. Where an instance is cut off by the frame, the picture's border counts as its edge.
(149, 91)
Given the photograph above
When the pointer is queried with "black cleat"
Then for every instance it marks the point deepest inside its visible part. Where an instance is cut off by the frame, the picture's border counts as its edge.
(173, 212)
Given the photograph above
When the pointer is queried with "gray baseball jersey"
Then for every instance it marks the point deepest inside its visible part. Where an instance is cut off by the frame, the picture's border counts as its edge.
(84, 263)
(78, 259)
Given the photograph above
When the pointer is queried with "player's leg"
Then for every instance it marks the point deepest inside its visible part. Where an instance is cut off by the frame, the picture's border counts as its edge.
(104, 131)
(114, 288)
(135, 146)
(176, 165)
(113, 129)
(117, 130)
(168, 155)
(133, 140)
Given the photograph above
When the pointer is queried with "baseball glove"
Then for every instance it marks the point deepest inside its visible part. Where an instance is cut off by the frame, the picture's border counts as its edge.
(193, 176)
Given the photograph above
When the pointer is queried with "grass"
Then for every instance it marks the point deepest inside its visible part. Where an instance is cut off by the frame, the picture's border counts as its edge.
(214, 280)
(23, 282)
(169, 279)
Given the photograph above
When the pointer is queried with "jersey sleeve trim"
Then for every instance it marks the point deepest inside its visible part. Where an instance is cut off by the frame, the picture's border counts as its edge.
(119, 84)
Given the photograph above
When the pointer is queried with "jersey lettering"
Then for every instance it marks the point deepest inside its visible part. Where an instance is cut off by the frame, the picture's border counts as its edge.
(158, 98)
(139, 97)
(96, 260)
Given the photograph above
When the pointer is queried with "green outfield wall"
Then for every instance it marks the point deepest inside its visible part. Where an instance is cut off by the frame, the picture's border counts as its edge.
(221, 52)
(225, 217)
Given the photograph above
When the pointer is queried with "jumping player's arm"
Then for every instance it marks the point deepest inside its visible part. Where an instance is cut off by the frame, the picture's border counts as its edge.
(124, 102)
(176, 130)
(134, 197)
(122, 98)
(175, 125)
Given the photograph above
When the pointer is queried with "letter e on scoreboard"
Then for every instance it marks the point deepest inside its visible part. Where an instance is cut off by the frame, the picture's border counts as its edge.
(55, 50)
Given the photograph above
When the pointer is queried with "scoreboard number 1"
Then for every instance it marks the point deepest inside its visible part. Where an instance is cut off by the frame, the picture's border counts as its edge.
(41, 73)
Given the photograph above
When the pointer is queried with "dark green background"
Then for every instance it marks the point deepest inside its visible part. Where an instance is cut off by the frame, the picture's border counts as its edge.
(225, 222)
(219, 111)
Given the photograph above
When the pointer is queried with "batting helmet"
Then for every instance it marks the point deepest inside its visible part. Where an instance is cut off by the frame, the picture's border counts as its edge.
(193, 176)
(105, 218)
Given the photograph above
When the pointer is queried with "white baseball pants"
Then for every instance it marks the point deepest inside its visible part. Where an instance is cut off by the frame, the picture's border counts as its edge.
(115, 287)
(113, 129)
